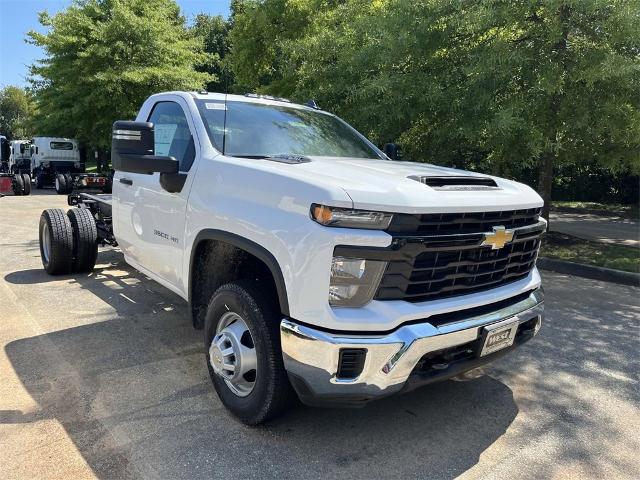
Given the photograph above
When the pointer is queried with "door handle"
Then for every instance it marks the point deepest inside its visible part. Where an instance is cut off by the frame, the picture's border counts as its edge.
(126, 181)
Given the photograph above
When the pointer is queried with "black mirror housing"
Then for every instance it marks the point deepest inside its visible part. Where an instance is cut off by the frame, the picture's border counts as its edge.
(393, 151)
(132, 149)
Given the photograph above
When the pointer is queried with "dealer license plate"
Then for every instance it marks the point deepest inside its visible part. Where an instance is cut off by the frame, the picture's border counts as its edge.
(498, 337)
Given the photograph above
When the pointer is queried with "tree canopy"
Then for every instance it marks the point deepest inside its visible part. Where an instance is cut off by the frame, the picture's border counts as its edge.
(16, 111)
(545, 91)
(503, 86)
(104, 57)
(213, 31)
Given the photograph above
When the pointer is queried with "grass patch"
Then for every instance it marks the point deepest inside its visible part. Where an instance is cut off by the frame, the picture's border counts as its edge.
(626, 211)
(574, 249)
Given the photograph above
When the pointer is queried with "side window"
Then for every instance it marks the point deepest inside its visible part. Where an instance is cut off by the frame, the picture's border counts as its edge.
(172, 135)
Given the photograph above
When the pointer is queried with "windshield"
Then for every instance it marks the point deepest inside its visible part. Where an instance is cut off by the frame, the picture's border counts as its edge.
(61, 145)
(256, 130)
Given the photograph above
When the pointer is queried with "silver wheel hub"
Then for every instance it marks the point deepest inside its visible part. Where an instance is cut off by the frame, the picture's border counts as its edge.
(232, 354)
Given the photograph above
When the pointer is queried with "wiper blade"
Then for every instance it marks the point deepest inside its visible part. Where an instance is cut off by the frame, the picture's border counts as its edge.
(258, 157)
(281, 157)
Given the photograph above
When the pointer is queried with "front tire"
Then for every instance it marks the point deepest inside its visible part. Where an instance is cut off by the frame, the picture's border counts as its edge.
(56, 242)
(243, 353)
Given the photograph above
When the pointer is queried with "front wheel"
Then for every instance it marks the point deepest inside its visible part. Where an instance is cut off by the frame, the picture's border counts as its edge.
(244, 357)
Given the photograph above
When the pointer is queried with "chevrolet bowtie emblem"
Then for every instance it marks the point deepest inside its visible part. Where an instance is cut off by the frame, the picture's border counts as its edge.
(498, 238)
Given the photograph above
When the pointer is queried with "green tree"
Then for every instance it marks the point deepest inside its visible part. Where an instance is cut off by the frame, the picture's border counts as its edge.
(214, 33)
(259, 30)
(564, 82)
(499, 86)
(103, 58)
(16, 112)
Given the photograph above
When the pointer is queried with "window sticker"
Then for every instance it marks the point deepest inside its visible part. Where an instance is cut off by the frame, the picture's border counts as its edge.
(215, 106)
(164, 134)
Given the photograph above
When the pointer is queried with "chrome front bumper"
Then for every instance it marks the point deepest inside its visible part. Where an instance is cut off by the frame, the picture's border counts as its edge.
(395, 361)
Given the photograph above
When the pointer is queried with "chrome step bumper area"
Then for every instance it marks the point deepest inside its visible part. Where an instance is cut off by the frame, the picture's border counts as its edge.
(312, 356)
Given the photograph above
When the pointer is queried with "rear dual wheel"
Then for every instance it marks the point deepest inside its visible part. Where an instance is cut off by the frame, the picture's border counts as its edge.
(63, 183)
(68, 241)
(18, 185)
(26, 181)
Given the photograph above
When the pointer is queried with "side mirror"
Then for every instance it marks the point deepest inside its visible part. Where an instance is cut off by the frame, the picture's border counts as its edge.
(132, 149)
(393, 151)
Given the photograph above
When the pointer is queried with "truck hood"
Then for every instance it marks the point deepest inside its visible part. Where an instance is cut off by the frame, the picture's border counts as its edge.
(403, 187)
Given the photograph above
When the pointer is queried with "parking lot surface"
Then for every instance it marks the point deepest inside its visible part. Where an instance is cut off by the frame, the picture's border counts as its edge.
(102, 376)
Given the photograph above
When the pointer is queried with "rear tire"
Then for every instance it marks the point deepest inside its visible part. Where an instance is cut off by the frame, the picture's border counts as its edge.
(26, 179)
(108, 186)
(270, 393)
(69, 182)
(85, 239)
(56, 242)
(60, 184)
(18, 185)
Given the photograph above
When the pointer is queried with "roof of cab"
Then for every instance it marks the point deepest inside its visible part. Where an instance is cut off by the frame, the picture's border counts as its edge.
(249, 98)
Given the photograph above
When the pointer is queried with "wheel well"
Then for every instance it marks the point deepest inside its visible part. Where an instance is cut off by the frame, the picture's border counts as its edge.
(216, 262)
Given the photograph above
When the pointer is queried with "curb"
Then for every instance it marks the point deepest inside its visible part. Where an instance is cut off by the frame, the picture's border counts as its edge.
(589, 271)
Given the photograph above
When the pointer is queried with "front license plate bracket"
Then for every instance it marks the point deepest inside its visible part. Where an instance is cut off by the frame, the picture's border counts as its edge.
(498, 337)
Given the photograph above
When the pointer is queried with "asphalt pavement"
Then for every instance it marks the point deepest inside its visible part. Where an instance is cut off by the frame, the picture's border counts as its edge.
(102, 376)
(601, 228)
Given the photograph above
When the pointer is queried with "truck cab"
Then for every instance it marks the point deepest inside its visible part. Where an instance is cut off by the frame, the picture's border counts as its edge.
(56, 161)
(51, 156)
(316, 266)
(5, 153)
(20, 156)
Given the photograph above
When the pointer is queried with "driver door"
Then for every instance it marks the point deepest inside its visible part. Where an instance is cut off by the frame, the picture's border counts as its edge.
(151, 220)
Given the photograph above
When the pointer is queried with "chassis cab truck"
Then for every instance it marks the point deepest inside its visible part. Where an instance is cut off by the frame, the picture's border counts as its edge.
(56, 161)
(315, 265)
(20, 158)
(12, 179)
(5, 153)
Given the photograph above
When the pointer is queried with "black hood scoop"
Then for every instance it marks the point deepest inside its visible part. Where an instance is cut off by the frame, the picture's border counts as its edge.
(462, 183)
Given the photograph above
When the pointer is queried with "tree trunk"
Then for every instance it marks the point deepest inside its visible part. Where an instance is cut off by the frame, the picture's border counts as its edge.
(545, 181)
(549, 158)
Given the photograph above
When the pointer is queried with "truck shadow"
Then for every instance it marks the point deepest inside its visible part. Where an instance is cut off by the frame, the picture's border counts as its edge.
(134, 396)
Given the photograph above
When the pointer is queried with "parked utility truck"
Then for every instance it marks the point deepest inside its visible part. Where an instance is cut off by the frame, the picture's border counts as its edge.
(56, 161)
(315, 265)
(10, 179)
(20, 156)
(5, 153)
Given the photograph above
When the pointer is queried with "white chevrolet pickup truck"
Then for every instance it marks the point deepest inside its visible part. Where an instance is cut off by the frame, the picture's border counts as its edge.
(317, 266)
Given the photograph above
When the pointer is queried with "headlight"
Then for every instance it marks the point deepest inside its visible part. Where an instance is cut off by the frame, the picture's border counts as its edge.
(354, 281)
(348, 218)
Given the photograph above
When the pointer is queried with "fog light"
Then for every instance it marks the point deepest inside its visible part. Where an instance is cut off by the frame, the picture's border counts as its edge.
(354, 281)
